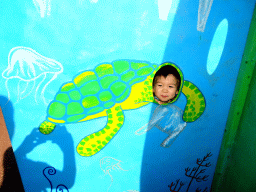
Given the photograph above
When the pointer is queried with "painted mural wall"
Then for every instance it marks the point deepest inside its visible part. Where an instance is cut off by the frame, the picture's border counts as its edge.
(76, 91)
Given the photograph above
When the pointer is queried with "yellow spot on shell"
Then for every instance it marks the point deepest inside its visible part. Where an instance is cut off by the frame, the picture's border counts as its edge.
(55, 120)
(67, 87)
(104, 69)
(84, 77)
(91, 101)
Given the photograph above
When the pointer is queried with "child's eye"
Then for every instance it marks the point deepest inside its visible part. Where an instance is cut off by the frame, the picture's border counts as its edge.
(159, 85)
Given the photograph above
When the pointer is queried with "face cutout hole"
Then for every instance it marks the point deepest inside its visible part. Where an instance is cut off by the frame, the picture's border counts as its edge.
(166, 84)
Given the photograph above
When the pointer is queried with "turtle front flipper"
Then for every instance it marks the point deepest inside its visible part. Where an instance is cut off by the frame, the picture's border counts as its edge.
(47, 127)
(195, 102)
(93, 143)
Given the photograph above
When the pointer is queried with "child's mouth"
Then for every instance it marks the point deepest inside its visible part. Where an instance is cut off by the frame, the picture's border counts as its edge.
(164, 95)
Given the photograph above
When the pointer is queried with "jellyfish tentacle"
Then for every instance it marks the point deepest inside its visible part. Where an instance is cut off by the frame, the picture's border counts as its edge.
(118, 165)
(12, 95)
(22, 87)
(18, 89)
(29, 88)
(39, 93)
(43, 90)
(108, 172)
(6, 85)
(111, 179)
(38, 88)
(24, 90)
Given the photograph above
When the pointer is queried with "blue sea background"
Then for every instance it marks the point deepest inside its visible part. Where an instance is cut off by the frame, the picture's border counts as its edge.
(81, 35)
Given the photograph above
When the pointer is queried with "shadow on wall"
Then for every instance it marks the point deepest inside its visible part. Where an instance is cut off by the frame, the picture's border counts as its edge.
(38, 175)
(10, 168)
(41, 175)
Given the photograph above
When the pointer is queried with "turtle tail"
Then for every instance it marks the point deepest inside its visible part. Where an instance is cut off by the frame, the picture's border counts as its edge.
(195, 102)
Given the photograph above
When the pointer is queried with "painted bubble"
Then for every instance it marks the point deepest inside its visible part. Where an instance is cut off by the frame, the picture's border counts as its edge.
(217, 46)
(25, 67)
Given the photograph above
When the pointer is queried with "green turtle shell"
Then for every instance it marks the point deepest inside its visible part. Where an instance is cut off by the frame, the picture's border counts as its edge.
(91, 92)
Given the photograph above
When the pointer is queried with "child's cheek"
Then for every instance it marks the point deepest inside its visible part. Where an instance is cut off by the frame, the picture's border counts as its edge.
(154, 90)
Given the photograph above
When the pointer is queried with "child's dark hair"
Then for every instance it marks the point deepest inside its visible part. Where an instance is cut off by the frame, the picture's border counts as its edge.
(165, 71)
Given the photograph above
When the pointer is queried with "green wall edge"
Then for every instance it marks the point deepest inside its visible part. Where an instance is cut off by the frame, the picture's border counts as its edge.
(240, 93)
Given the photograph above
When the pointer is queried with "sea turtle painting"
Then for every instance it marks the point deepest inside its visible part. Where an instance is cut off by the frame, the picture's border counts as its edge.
(108, 90)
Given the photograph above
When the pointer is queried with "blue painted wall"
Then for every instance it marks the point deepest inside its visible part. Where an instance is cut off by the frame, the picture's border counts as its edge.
(74, 36)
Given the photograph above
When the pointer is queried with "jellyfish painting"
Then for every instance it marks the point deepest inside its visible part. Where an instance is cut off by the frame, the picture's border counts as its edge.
(203, 13)
(168, 119)
(107, 164)
(26, 68)
(43, 7)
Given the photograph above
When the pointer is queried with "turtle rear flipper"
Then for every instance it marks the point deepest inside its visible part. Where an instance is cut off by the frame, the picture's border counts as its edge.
(47, 127)
(93, 143)
(195, 102)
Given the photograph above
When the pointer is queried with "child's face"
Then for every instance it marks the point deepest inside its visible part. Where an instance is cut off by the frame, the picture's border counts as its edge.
(165, 88)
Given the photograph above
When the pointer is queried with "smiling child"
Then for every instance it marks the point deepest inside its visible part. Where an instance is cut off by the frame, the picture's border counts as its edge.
(166, 84)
